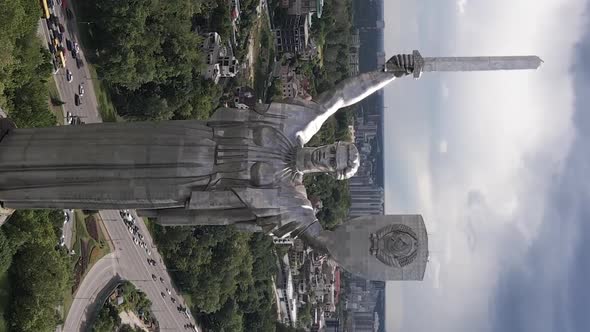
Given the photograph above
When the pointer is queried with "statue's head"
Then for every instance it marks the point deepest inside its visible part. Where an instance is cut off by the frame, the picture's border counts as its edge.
(340, 160)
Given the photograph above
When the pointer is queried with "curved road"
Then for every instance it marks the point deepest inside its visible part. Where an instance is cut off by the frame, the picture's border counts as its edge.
(97, 279)
(128, 261)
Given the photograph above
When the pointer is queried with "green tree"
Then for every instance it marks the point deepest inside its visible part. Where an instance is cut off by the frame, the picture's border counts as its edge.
(107, 320)
(40, 275)
(6, 252)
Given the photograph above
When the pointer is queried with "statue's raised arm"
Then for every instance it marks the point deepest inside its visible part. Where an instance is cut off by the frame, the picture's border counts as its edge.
(354, 89)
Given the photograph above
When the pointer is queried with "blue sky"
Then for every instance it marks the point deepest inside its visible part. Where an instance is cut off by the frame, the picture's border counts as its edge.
(497, 164)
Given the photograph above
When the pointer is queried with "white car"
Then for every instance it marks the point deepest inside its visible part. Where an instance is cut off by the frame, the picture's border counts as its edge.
(69, 76)
(76, 47)
(66, 217)
(168, 291)
(140, 237)
(135, 241)
(81, 89)
(130, 230)
(147, 251)
(69, 118)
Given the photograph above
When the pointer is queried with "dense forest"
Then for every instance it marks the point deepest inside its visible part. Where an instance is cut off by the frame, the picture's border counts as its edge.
(148, 54)
(39, 271)
(226, 274)
(25, 65)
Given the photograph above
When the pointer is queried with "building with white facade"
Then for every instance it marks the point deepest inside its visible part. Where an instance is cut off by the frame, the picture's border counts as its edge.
(220, 61)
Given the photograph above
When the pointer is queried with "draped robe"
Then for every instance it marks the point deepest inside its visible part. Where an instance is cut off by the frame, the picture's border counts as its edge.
(238, 168)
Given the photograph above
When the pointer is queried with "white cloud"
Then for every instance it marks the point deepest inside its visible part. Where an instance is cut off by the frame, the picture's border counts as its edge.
(461, 4)
(443, 147)
(444, 91)
(486, 195)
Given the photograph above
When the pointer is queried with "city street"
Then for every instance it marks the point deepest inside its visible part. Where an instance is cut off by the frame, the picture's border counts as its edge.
(88, 110)
(128, 261)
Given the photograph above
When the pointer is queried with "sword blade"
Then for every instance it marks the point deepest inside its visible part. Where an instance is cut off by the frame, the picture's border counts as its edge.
(481, 63)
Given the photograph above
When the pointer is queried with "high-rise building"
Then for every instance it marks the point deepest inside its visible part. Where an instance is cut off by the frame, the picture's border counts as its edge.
(366, 200)
(292, 36)
(363, 322)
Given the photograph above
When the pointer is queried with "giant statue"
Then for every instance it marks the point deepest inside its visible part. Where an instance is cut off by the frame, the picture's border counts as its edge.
(241, 167)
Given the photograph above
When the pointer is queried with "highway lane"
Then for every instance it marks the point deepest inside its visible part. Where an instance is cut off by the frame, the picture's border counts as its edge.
(88, 110)
(67, 230)
(135, 268)
(129, 262)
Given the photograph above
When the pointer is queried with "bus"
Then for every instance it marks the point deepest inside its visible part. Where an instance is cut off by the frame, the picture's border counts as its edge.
(46, 13)
(62, 58)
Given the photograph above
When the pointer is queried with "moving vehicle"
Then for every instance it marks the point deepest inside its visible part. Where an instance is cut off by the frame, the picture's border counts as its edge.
(46, 13)
(77, 100)
(62, 58)
(69, 76)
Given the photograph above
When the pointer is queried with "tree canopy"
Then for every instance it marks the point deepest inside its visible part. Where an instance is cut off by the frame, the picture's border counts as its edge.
(25, 66)
(40, 270)
(226, 273)
(149, 55)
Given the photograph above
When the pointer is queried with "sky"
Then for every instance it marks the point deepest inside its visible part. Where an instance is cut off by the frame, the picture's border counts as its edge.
(497, 164)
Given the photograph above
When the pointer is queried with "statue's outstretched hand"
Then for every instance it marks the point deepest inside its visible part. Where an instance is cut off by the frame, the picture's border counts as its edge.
(400, 65)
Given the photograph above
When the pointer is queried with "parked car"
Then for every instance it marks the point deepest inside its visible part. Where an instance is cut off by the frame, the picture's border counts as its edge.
(69, 76)
(162, 293)
(77, 99)
(168, 291)
(79, 63)
(154, 278)
(76, 47)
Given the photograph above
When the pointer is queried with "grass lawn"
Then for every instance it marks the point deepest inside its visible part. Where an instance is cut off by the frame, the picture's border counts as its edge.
(105, 105)
(264, 47)
(81, 235)
(4, 287)
(54, 95)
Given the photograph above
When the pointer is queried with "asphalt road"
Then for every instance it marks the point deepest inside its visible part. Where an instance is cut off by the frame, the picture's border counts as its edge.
(128, 261)
(67, 229)
(133, 266)
(88, 110)
(105, 270)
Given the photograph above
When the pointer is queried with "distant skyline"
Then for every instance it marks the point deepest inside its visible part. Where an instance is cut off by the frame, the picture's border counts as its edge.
(490, 160)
